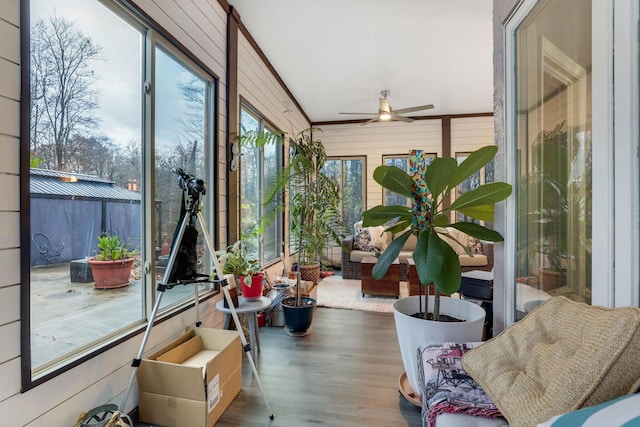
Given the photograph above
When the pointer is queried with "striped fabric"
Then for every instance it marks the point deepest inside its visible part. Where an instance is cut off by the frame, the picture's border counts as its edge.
(621, 412)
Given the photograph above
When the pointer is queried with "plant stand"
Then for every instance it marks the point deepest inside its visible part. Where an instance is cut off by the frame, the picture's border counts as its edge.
(407, 391)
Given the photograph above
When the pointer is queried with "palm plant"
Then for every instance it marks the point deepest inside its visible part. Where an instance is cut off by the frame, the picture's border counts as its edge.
(435, 260)
(314, 197)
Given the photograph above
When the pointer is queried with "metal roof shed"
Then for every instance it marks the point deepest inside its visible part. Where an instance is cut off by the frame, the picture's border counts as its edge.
(74, 209)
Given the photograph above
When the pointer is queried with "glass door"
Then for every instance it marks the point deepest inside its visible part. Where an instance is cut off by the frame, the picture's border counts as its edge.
(553, 167)
(571, 114)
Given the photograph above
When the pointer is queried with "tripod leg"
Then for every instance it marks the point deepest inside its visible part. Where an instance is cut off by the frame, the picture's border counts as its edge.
(138, 359)
(234, 314)
(161, 288)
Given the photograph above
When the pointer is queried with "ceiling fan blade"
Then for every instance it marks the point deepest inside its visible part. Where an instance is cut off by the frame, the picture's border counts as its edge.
(370, 121)
(412, 109)
(362, 114)
(401, 118)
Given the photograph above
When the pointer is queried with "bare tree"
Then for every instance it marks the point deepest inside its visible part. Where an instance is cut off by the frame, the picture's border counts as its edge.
(63, 98)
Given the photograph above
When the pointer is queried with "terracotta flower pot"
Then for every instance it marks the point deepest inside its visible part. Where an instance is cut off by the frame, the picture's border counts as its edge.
(111, 274)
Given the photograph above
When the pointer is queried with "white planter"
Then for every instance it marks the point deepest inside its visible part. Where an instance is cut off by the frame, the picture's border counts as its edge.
(413, 332)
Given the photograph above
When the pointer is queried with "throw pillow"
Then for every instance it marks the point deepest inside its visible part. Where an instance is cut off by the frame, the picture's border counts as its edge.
(562, 356)
(379, 237)
(362, 241)
(474, 245)
(623, 411)
(446, 387)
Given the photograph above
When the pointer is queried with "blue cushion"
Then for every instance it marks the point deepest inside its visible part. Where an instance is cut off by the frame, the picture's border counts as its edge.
(621, 412)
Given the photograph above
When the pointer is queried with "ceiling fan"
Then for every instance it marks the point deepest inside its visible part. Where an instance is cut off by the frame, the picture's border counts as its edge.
(386, 113)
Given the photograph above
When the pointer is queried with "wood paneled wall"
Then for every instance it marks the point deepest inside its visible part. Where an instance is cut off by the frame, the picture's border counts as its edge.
(200, 26)
(392, 138)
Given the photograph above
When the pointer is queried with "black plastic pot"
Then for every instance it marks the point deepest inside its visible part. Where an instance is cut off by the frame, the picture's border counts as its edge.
(298, 318)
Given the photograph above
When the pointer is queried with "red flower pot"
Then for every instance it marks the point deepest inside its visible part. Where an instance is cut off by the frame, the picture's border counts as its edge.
(254, 291)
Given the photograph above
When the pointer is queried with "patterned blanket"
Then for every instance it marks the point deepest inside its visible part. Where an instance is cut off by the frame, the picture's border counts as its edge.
(446, 387)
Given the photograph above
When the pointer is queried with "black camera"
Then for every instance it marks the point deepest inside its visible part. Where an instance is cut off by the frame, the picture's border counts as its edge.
(189, 182)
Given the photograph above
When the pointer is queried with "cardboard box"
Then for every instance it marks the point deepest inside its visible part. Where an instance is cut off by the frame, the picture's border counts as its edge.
(191, 382)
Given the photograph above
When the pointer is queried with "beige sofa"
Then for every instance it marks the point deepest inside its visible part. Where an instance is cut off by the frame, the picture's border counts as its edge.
(357, 246)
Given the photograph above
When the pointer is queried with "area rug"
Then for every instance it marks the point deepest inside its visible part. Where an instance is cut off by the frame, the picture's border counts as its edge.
(336, 292)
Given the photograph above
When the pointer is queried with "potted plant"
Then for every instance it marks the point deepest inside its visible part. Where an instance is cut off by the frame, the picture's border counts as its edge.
(435, 260)
(246, 271)
(314, 202)
(111, 266)
(555, 228)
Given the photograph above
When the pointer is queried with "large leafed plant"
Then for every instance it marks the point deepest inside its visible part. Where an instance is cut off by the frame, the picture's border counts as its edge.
(435, 260)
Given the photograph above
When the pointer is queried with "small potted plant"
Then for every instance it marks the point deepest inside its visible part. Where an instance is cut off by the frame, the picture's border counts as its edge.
(111, 266)
(246, 271)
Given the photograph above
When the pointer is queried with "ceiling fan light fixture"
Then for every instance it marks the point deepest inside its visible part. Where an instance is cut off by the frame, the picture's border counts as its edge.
(386, 113)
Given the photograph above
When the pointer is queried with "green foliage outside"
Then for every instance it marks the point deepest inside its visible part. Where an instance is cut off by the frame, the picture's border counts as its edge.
(111, 248)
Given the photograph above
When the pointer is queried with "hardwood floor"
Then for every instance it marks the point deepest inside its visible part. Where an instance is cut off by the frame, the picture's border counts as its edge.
(345, 373)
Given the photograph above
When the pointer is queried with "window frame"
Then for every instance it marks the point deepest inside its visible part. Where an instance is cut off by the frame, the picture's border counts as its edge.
(342, 159)
(386, 157)
(264, 125)
(151, 33)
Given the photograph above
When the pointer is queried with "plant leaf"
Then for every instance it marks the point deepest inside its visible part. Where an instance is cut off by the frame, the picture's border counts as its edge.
(380, 215)
(448, 281)
(440, 220)
(483, 213)
(428, 257)
(394, 179)
(473, 163)
(438, 175)
(399, 226)
(478, 231)
(483, 195)
(389, 255)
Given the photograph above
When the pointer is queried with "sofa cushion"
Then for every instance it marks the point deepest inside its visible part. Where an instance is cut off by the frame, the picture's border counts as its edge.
(356, 256)
(380, 239)
(562, 356)
(362, 241)
(477, 260)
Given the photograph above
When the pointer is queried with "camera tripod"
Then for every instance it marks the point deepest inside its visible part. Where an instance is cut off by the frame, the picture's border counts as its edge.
(192, 188)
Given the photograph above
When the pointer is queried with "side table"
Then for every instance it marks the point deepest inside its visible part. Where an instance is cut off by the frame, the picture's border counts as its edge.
(251, 309)
(414, 280)
(477, 285)
(387, 285)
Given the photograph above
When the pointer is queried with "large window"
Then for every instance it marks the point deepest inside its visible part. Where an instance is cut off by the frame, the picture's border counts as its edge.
(349, 173)
(110, 119)
(389, 198)
(481, 177)
(553, 136)
(260, 225)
